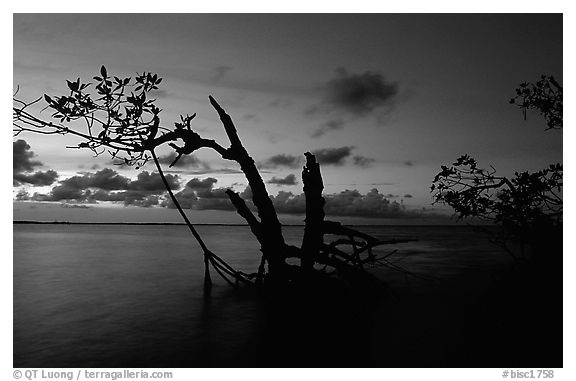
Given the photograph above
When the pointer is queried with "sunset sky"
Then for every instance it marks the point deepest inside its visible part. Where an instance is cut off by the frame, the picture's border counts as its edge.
(383, 100)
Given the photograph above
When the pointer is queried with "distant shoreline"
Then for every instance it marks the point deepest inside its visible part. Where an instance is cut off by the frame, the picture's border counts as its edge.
(207, 224)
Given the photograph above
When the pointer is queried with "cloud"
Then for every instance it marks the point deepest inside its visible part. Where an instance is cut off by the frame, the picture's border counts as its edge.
(408, 196)
(408, 163)
(353, 95)
(332, 156)
(107, 179)
(23, 167)
(345, 203)
(220, 72)
(22, 157)
(324, 156)
(38, 178)
(334, 124)
(185, 161)
(288, 180)
(372, 204)
(108, 185)
(363, 161)
(282, 160)
(200, 194)
(196, 183)
(359, 94)
(153, 182)
(22, 195)
(59, 193)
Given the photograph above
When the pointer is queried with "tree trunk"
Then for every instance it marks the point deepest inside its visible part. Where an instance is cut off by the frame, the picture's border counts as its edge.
(273, 245)
(313, 232)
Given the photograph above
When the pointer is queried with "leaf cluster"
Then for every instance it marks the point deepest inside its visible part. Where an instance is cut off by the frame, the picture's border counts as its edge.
(544, 96)
(110, 113)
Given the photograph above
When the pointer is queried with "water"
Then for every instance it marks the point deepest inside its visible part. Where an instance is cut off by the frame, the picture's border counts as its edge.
(120, 296)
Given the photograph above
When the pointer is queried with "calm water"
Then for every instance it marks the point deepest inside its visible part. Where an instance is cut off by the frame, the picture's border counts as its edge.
(119, 296)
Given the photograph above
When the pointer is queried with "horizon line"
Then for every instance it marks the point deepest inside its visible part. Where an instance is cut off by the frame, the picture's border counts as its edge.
(31, 222)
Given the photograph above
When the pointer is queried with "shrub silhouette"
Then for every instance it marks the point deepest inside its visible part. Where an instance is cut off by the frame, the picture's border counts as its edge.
(528, 206)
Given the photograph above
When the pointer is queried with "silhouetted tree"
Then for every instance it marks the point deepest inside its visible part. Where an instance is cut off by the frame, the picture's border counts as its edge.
(119, 117)
(528, 206)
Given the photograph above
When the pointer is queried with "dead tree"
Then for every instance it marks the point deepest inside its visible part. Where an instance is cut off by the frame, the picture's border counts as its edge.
(128, 127)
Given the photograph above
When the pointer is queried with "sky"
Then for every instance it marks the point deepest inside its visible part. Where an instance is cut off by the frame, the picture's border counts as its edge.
(382, 100)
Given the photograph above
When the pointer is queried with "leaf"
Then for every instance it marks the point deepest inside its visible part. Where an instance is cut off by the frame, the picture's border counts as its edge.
(103, 72)
(97, 79)
(72, 85)
(47, 98)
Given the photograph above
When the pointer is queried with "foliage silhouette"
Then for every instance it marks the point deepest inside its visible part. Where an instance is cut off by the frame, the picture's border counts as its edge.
(119, 117)
(528, 206)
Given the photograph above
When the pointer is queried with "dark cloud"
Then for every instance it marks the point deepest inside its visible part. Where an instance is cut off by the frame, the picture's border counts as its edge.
(185, 161)
(282, 160)
(38, 178)
(153, 182)
(359, 94)
(408, 163)
(408, 196)
(186, 197)
(363, 161)
(107, 179)
(201, 195)
(288, 180)
(349, 96)
(196, 183)
(332, 156)
(289, 203)
(59, 193)
(23, 167)
(22, 157)
(372, 204)
(325, 156)
(334, 124)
